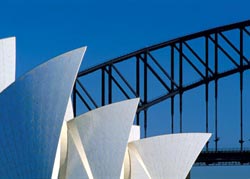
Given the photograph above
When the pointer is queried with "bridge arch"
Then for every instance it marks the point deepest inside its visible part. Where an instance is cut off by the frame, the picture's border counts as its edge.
(167, 71)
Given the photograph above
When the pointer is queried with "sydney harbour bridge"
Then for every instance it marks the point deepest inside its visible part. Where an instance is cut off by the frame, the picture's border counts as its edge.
(195, 83)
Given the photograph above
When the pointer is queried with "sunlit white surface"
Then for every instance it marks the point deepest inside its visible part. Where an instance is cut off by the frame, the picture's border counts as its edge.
(7, 62)
(69, 111)
(168, 156)
(76, 145)
(104, 135)
(137, 167)
(75, 167)
(134, 135)
(32, 111)
(59, 168)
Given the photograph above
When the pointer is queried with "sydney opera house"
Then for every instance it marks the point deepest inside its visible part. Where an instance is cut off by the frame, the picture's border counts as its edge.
(40, 137)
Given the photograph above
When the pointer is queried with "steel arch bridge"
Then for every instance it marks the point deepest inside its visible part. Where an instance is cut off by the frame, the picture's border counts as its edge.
(165, 72)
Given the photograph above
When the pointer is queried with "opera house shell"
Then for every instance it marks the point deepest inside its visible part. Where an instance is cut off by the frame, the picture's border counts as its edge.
(40, 138)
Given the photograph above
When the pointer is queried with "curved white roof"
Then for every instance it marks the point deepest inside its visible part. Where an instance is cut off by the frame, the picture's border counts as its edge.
(167, 156)
(32, 111)
(103, 134)
(7, 62)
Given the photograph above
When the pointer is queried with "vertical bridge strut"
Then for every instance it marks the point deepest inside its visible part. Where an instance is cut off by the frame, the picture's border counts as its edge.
(168, 72)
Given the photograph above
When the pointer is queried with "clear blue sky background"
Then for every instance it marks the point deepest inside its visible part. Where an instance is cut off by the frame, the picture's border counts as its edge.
(112, 28)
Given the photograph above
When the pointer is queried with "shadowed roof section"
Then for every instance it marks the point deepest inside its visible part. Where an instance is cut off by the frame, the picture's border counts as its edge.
(104, 135)
(168, 156)
(61, 153)
(32, 111)
(74, 166)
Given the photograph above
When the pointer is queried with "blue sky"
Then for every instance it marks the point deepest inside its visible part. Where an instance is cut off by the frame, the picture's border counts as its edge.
(112, 28)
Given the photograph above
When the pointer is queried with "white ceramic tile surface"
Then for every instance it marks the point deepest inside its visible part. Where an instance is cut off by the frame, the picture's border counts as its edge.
(32, 111)
(169, 156)
(104, 134)
(7, 62)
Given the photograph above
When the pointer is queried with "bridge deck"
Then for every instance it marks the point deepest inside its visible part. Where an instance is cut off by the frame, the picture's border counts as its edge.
(233, 157)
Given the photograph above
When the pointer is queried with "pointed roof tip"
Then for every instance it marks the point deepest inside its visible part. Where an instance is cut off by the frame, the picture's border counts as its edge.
(134, 100)
(80, 50)
(137, 99)
(77, 53)
(8, 38)
(83, 50)
(208, 135)
(204, 135)
(73, 54)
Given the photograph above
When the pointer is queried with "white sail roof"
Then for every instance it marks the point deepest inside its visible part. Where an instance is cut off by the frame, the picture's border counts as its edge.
(168, 156)
(7, 62)
(32, 111)
(104, 135)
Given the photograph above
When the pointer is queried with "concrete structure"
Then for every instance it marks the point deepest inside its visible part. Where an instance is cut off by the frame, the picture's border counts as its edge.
(39, 138)
(100, 137)
(32, 111)
(97, 148)
(59, 164)
(133, 136)
(7, 62)
(167, 156)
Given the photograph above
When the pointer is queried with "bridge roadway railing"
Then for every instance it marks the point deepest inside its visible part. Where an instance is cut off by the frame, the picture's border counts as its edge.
(224, 157)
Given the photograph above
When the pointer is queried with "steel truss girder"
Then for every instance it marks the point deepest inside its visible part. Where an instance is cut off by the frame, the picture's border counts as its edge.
(181, 53)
